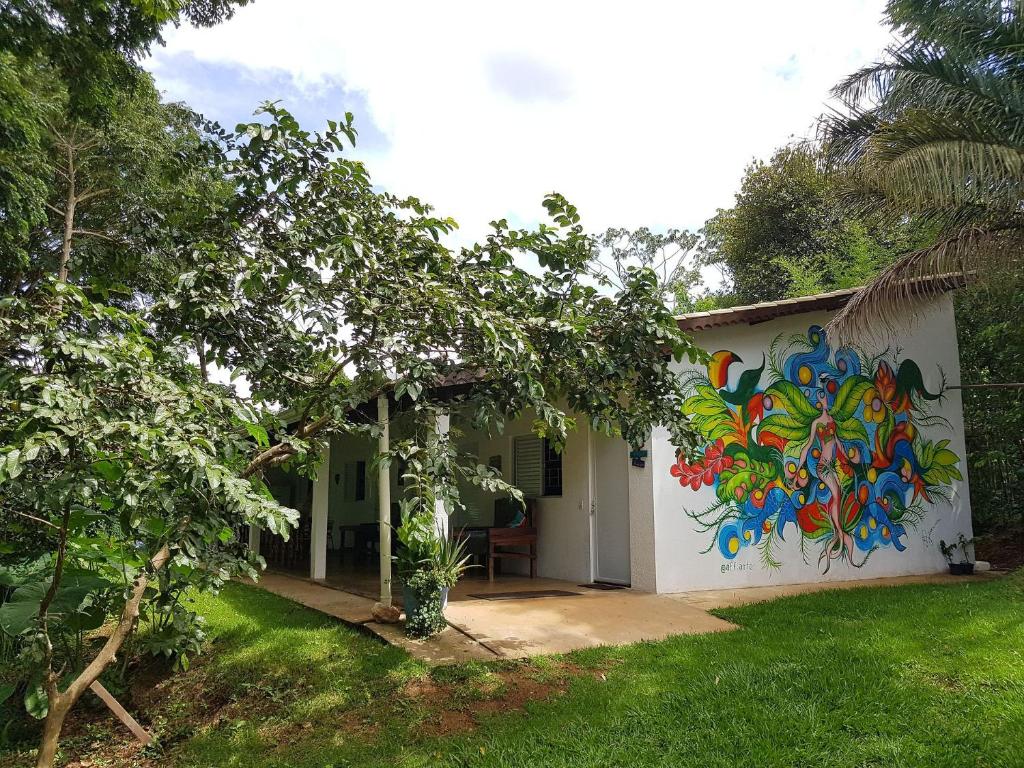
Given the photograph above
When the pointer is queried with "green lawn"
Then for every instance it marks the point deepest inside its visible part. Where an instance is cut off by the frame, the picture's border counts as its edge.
(909, 676)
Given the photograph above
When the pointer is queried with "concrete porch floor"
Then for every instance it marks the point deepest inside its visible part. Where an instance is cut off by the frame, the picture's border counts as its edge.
(488, 630)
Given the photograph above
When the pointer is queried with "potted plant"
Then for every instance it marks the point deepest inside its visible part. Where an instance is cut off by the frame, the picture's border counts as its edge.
(964, 567)
(425, 591)
(428, 564)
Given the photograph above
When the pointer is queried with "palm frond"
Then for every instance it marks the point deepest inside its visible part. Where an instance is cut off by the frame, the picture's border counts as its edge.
(986, 29)
(918, 171)
(881, 308)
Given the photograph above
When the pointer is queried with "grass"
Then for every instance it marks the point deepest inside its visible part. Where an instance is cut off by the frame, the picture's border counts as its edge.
(927, 675)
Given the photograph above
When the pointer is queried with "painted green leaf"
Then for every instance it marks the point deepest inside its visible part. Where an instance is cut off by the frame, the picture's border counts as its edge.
(702, 406)
(786, 426)
(942, 468)
(852, 429)
(789, 397)
(848, 397)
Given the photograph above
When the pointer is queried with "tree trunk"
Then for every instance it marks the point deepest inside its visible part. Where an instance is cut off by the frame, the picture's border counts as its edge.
(201, 354)
(60, 703)
(69, 219)
(51, 731)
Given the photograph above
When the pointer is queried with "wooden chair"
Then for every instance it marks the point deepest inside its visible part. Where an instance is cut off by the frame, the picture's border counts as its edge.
(501, 539)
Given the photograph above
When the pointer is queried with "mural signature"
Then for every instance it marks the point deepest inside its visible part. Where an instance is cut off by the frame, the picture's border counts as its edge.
(831, 445)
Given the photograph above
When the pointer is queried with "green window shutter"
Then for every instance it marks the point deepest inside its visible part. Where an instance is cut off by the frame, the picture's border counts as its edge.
(529, 465)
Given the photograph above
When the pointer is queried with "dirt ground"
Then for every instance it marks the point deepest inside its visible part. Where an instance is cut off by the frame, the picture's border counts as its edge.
(1004, 550)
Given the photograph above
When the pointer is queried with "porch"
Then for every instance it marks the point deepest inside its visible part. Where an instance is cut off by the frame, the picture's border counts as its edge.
(577, 525)
(510, 617)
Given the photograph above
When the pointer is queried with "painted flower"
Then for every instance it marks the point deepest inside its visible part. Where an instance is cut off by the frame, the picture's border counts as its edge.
(886, 385)
(703, 472)
(874, 406)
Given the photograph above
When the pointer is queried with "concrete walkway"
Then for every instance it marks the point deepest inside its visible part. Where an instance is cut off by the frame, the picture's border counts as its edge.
(588, 618)
(711, 599)
(488, 629)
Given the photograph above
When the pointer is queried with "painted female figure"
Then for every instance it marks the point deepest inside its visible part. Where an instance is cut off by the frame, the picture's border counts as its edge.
(823, 445)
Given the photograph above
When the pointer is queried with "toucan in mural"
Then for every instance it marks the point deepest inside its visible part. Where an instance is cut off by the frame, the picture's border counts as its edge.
(829, 450)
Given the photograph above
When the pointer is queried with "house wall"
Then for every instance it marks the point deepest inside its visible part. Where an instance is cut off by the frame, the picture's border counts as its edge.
(342, 509)
(563, 522)
(689, 558)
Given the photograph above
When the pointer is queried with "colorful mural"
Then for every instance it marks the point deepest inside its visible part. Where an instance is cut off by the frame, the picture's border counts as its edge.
(830, 450)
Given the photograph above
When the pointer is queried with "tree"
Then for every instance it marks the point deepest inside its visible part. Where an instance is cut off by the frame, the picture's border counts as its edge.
(129, 463)
(669, 254)
(991, 341)
(790, 234)
(128, 189)
(96, 44)
(321, 292)
(935, 130)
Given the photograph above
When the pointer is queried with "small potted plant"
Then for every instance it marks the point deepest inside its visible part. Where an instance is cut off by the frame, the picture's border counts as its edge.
(964, 566)
(428, 564)
(425, 591)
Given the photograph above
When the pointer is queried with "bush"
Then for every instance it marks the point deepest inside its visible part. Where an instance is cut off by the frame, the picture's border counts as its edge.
(427, 617)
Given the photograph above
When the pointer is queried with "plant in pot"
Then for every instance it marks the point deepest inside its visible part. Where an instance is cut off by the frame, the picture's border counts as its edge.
(428, 564)
(964, 566)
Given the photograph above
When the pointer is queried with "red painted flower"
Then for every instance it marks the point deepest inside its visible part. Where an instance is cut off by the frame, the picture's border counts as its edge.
(704, 471)
(885, 384)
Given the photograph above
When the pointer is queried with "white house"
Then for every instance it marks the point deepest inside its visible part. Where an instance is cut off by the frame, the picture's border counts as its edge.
(816, 464)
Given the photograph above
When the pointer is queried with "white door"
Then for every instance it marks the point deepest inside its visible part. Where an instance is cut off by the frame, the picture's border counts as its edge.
(611, 509)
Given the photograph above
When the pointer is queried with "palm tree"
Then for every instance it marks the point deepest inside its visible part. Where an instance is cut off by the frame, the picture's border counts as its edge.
(936, 131)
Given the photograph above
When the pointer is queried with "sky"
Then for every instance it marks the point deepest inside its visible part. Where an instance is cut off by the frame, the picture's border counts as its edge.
(640, 113)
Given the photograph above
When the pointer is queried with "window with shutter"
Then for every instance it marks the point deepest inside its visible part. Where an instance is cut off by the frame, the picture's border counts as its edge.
(529, 470)
(538, 467)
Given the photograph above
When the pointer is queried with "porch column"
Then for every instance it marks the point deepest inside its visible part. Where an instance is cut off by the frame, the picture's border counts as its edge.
(254, 538)
(384, 499)
(440, 512)
(318, 527)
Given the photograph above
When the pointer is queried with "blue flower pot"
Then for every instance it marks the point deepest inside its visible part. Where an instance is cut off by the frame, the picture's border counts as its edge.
(410, 603)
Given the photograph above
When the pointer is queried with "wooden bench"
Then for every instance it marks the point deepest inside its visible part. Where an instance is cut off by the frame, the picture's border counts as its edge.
(499, 539)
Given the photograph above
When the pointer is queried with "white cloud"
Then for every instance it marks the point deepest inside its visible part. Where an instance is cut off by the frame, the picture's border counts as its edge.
(640, 113)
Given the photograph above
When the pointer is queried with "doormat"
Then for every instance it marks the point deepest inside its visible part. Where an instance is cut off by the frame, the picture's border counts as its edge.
(602, 586)
(527, 595)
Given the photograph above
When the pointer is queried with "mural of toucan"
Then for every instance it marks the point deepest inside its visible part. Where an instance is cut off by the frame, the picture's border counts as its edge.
(747, 400)
(718, 374)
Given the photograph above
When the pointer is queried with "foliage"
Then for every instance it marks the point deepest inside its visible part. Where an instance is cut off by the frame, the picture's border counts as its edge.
(669, 254)
(149, 251)
(427, 617)
(137, 185)
(418, 542)
(903, 657)
(450, 562)
(962, 543)
(121, 440)
(428, 559)
(832, 444)
(935, 130)
(991, 341)
(127, 461)
(789, 233)
(94, 44)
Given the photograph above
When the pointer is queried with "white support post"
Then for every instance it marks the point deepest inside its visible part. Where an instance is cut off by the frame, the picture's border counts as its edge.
(318, 527)
(440, 512)
(384, 500)
(255, 533)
